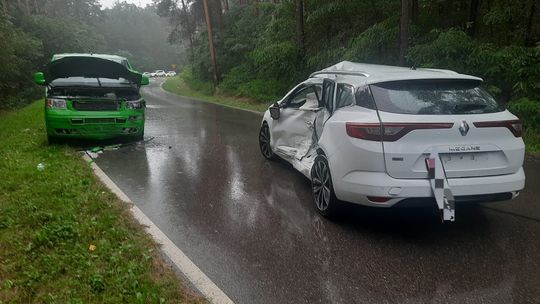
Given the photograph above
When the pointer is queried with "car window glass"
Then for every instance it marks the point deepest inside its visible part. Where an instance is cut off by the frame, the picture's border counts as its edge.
(299, 98)
(344, 96)
(364, 99)
(434, 97)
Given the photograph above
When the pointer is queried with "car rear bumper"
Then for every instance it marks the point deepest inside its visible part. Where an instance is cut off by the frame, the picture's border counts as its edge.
(96, 125)
(356, 186)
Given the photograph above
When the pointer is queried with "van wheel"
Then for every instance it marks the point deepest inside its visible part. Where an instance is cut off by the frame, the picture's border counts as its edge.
(321, 186)
(264, 142)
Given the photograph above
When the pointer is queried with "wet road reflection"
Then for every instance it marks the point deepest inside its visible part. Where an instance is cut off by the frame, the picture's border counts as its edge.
(249, 224)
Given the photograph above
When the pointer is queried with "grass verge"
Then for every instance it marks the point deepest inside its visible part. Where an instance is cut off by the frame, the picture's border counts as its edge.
(64, 238)
(178, 86)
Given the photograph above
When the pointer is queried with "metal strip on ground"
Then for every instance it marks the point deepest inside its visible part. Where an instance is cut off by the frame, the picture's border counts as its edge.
(203, 284)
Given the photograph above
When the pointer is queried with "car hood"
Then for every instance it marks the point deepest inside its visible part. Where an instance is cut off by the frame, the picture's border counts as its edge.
(89, 67)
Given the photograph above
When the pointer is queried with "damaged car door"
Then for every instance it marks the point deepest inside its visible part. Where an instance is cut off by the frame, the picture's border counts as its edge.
(293, 131)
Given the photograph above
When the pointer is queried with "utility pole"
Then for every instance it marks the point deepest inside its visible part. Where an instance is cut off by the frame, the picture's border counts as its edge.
(211, 41)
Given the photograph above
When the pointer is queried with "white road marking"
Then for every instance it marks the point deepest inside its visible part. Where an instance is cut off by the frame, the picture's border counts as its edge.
(205, 286)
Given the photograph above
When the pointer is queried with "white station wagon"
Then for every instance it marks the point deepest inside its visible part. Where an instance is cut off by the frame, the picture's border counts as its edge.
(384, 136)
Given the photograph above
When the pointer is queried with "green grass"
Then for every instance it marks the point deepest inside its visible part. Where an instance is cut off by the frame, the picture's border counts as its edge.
(178, 86)
(532, 142)
(49, 219)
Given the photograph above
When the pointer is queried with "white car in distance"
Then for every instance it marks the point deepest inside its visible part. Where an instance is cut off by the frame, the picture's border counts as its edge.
(160, 73)
(171, 74)
(385, 136)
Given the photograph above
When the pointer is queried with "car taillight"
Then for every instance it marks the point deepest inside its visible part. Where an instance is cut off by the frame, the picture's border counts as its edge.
(390, 131)
(515, 126)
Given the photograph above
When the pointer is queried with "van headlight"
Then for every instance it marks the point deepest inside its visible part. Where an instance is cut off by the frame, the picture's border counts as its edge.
(56, 103)
(135, 104)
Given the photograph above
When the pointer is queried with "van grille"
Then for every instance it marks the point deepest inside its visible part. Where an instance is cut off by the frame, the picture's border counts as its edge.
(95, 105)
(99, 120)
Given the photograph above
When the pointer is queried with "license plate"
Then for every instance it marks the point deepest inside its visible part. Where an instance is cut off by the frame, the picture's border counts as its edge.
(459, 157)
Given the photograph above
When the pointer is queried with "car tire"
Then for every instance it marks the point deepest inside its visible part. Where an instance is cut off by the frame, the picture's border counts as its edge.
(264, 142)
(322, 188)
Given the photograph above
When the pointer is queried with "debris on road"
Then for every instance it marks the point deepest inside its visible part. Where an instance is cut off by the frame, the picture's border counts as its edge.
(96, 149)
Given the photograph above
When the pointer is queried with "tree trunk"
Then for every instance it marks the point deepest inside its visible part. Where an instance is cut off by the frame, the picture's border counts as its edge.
(218, 13)
(189, 28)
(300, 24)
(226, 6)
(473, 17)
(529, 34)
(414, 11)
(211, 42)
(27, 7)
(403, 31)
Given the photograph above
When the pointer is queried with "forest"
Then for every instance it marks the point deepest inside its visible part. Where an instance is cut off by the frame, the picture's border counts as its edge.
(32, 31)
(262, 48)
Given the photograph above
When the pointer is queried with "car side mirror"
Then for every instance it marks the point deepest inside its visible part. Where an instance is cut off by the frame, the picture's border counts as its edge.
(274, 111)
(39, 78)
(145, 80)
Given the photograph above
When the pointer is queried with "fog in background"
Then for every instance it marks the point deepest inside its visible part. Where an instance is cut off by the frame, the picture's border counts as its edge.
(33, 31)
(111, 3)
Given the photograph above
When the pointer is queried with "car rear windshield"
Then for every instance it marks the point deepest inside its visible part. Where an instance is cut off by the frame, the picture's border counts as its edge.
(433, 97)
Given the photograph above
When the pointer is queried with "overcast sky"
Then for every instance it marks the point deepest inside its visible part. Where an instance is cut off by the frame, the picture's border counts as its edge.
(110, 3)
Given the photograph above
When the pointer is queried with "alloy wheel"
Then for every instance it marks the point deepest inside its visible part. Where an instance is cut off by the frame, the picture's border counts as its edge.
(264, 142)
(321, 185)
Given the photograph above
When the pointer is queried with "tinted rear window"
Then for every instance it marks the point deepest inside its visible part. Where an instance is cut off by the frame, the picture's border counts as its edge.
(434, 97)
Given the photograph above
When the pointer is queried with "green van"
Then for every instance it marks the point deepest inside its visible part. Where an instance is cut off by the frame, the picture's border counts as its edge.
(92, 96)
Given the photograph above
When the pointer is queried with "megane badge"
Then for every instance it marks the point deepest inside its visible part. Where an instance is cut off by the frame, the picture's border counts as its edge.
(464, 128)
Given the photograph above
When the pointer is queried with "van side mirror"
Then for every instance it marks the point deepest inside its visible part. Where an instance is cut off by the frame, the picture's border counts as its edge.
(274, 111)
(144, 80)
(39, 78)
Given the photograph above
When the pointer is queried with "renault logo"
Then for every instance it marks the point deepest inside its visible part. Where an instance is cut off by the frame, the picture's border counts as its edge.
(464, 128)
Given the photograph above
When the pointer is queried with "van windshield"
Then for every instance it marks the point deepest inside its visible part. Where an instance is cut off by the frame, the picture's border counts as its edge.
(433, 97)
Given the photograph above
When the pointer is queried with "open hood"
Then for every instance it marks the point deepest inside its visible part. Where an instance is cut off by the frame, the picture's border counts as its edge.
(89, 67)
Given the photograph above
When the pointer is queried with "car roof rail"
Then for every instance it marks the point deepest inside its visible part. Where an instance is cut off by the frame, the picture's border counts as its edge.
(351, 73)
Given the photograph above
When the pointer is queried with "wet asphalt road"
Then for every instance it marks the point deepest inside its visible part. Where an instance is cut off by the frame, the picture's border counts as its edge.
(250, 225)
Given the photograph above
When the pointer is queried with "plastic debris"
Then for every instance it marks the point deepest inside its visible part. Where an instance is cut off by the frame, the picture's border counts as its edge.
(92, 154)
(96, 149)
(112, 147)
(92, 247)
(41, 167)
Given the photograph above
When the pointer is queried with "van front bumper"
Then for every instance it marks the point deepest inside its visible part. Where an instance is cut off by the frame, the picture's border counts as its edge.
(94, 125)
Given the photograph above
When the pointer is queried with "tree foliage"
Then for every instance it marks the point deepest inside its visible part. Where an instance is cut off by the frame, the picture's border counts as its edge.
(258, 43)
(32, 31)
